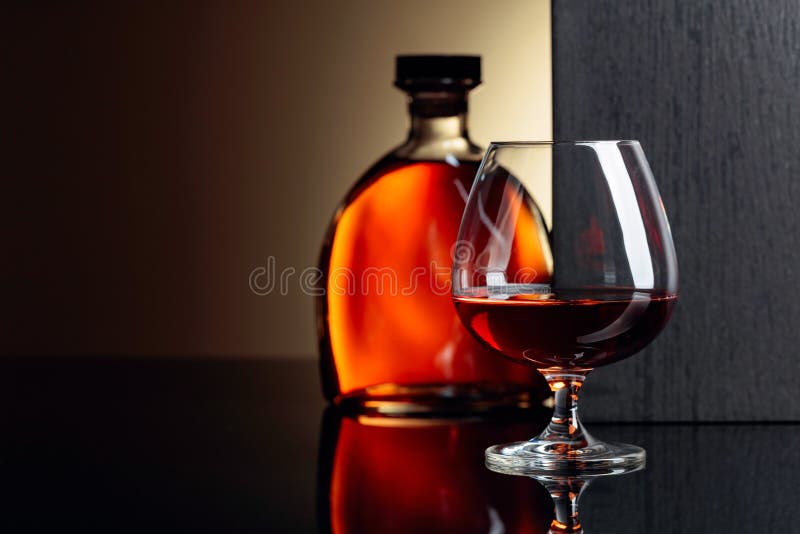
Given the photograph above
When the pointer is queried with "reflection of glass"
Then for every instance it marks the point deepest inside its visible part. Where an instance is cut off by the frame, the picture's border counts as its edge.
(422, 475)
(592, 209)
(565, 490)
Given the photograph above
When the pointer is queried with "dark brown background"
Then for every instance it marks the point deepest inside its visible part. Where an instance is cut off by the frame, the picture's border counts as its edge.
(710, 90)
(155, 153)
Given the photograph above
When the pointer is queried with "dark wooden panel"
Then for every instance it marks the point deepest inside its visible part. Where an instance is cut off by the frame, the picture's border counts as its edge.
(711, 90)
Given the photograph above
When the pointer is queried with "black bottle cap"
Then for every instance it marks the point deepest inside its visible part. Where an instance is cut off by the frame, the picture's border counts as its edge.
(438, 72)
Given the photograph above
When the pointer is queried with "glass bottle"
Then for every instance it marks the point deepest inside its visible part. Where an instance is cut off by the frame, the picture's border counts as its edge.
(389, 338)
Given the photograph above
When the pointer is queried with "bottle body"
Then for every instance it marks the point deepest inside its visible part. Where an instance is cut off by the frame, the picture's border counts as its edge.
(389, 336)
(389, 331)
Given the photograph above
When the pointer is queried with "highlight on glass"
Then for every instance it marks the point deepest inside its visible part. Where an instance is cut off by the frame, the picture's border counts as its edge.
(565, 263)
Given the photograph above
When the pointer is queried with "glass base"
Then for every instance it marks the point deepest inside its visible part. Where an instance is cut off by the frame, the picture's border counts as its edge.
(539, 457)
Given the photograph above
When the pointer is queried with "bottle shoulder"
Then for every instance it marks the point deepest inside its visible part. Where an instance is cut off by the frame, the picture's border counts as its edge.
(457, 149)
(460, 152)
(405, 156)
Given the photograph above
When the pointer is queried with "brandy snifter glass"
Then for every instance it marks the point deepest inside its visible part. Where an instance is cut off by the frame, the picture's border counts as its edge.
(564, 262)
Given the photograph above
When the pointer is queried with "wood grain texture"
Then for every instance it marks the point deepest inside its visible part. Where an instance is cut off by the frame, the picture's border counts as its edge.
(711, 90)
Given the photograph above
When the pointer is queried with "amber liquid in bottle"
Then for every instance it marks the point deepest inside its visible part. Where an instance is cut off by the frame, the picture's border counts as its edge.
(389, 336)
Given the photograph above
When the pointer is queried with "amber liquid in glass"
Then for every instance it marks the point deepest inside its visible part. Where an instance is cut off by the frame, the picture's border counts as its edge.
(388, 328)
(569, 329)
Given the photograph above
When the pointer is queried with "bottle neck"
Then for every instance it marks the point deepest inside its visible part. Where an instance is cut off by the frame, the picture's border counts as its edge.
(438, 128)
(438, 116)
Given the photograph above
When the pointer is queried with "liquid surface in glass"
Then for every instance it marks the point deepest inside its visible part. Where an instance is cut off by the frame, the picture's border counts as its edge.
(569, 328)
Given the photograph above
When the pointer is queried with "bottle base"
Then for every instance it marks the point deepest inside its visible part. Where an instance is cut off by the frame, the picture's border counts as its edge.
(435, 400)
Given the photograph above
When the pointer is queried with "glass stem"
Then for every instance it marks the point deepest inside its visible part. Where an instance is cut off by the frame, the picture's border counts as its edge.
(565, 428)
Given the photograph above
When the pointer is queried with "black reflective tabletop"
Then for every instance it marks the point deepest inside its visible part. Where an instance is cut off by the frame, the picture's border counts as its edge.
(226, 445)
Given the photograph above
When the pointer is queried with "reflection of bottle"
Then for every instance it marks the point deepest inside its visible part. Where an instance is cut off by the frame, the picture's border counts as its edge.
(422, 475)
(388, 330)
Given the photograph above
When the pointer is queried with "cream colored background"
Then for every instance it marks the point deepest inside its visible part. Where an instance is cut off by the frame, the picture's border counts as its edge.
(357, 116)
(184, 145)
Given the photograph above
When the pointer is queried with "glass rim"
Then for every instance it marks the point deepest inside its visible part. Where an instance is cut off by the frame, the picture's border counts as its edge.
(560, 142)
